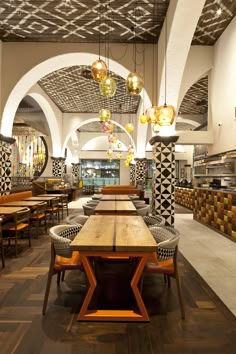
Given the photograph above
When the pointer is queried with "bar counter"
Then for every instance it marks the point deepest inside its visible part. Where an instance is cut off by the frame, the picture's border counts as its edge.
(216, 209)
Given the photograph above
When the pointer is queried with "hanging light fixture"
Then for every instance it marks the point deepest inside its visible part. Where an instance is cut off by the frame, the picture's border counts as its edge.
(165, 115)
(104, 115)
(99, 67)
(107, 127)
(134, 81)
(129, 127)
(108, 84)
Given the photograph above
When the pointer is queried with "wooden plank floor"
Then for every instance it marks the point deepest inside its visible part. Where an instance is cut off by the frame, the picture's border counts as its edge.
(208, 328)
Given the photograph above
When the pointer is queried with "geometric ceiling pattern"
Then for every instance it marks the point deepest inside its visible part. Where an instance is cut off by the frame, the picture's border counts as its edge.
(73, 90)
(215, 17)
(195, 100)
(82, 20)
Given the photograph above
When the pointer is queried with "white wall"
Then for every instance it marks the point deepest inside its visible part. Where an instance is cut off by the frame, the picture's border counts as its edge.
(223, 91)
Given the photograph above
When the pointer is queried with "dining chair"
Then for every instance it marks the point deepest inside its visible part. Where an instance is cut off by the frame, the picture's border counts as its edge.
(62, 257)
(13, 230)
(144, 210)
(165, 261)
(1, 248)
(63, 204)
(138, 202)
(53, 210)
(38, 217)
(151, 220)
(76, 219)
(88, 210)
(96, 196)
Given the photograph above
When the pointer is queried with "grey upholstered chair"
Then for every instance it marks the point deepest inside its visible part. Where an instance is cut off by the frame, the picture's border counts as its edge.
(151, 220)
(144, 210)
(76, 219)
(88, 210)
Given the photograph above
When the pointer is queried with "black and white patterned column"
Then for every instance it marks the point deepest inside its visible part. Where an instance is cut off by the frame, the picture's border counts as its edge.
(132, 174)
(140, 173)
(75, 169)
(58, 166)
(5, 164)
(163, 190)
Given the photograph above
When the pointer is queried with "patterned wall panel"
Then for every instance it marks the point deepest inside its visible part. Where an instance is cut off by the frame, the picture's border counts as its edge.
(140, 166)
(76, 169)
(5, 164)
(58, 166)
(21, 169)
(132, 173)
(163, 193)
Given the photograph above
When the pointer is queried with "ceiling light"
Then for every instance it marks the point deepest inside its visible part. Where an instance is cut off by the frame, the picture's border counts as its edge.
(108, 87)
(219, 11)
(104, 115)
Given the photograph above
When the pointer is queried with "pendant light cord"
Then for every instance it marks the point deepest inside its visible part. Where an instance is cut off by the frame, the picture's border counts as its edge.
(165, 57)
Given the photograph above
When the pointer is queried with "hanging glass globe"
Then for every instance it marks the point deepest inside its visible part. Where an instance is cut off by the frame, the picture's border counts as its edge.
(165, 115)
(109, 152)
(151, 114)
(107, 127)
(104, 115)
(156, 128)
(126, 163)
(129, 127)
(108, 87)
(143, 119)
(134, 83)
(99, 70)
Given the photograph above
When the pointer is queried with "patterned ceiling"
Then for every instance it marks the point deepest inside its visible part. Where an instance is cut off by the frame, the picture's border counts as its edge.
(73, 90)
(195, 100)
(82, 20)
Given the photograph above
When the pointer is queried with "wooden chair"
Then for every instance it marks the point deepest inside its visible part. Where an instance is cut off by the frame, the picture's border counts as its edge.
(144, 210)
(1, 245)
(13, 230)
(63, 204)
(38, 216)
(76, 219)
(62, 257)
(53, 209)
(165, 260)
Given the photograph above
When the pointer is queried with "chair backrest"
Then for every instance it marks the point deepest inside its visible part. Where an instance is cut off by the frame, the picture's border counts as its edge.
(163, 233)
(88, 210)
(167, 249)
(143, 211)
(22, 216)
(154, 220)
(76, 219)
(61, 237)
(96, 196)
(138, 202)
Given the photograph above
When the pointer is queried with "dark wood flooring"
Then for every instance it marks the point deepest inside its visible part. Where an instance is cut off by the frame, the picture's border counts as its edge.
(209, 326)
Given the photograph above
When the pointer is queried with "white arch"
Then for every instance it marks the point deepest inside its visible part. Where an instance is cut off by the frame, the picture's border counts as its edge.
(80, 124)
(52, 122)
(39, 71)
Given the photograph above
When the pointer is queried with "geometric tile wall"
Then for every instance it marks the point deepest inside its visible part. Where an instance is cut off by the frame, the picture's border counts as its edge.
(21, 169)
(184, 197)
(132, 174)
(140, 173)
(5, 164)
(163, 190)
(75, 169)
(216, 209)
(58, 166)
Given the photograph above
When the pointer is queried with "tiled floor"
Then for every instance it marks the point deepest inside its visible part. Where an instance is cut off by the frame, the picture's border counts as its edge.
(211, 254)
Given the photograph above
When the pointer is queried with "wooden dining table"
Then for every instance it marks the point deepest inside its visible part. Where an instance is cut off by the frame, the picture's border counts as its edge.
(41, 199)
(115, 207)
(120, 237)
(8, 210)
(108, 197)
(23, 203)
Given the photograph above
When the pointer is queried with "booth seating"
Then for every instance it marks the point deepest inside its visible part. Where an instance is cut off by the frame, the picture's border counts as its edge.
(15, 196)
(122, 189)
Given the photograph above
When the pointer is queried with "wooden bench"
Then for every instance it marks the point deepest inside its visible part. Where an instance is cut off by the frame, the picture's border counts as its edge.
(121, 189)
(15, 196)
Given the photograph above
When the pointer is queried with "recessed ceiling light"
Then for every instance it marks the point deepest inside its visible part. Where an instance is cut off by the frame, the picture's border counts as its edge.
(219, 12)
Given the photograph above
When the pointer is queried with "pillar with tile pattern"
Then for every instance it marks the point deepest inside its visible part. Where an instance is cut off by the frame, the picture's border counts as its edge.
(75, 169)
(132, 174)
(58, 166)
(5, 164)
(163, 190)
(140, 172)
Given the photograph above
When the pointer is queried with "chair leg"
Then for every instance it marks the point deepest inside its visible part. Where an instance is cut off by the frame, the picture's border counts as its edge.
(48, 286)
(181, 303)
(63, 275)
(168, 281)
(58, 278)
(2, 255)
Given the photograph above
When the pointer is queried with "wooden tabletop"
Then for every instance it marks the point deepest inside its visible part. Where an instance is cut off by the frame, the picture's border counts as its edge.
(114, 197)
(53, 195)
(114, 233)
(114, 207)
(37, 198)
(25, 203)
(10, 210)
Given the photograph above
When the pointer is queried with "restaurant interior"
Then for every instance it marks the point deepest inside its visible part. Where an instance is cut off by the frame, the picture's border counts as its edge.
(118, 175)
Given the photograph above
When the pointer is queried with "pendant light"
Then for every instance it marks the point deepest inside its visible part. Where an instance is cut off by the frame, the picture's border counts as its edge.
(108, 84)
(99, 67)
(104, 115)
(165, 115)
(134, 81)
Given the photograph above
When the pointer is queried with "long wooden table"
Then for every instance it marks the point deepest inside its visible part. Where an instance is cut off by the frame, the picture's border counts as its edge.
(8, 210)
(23, 203)
(108, 197)
(116, 207)
(109, 236)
